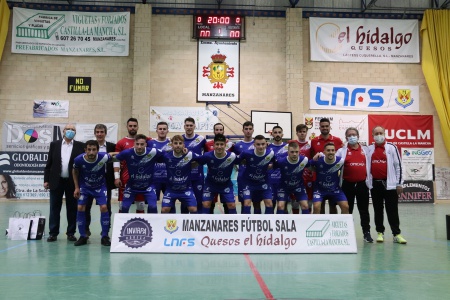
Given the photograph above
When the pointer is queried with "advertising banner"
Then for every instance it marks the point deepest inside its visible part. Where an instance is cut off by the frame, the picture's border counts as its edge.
(364, 40)
(417, 192)
(23, 163)
(337, 96)
(176, 233)
(30, 187)
(70, 32)
(218, 71)
(205, 117)
(417, 163)
(50, 109)
(443, 183)
(405, 130)
(338, 125)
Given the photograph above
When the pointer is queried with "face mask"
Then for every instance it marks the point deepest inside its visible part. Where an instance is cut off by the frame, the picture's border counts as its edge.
(70, 134)
(379, 139)
(352, 140)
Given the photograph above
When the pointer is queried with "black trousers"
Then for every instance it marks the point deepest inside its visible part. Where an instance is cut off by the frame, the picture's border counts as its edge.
(361, 192)
(382, 197)
(56, 200)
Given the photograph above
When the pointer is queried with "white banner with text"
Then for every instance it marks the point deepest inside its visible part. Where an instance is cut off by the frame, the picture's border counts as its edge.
(178, 233)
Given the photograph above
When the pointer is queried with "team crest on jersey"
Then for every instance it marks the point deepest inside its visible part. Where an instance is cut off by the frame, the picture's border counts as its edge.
(187, 193)
(171, 226)
(404, 98)
(218, 71)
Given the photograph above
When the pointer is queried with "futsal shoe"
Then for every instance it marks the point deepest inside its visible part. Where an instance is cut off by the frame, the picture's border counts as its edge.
(106, 241)
(380, 237)
(367, 237)
(81, 241)
(399, 239)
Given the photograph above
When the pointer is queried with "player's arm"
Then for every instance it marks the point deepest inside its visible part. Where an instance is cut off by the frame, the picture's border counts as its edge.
(116, 167)
(75, 173)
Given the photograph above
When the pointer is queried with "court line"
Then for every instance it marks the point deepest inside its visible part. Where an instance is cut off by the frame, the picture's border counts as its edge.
(258, 277)
(13, 247)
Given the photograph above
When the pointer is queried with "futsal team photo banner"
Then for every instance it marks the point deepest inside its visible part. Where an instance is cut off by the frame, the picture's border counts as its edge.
(70, 33)
(178, 233)
(338, 96)
(364, 40)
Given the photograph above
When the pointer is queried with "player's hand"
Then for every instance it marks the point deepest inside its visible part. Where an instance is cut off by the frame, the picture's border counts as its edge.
(399, 190)
(117, 182)
(185, 150)
(316, 157)
(46, 185)
(76, 193)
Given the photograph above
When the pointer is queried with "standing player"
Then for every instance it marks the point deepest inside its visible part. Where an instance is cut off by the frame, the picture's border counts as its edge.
(280, 149)
(354, 178)
(254, 179)
(327, 183)
(291, 170)
(308, 176)
(89, 177)
(141, 162)
(386, 171)
(194, 143)
(127, 143)
(179, 172)
(317, 145)
(162, 142)
(240, 147)
(218, 179)
(209, 146)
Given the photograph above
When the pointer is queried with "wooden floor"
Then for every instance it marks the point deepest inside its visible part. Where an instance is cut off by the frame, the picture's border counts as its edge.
(418, 270)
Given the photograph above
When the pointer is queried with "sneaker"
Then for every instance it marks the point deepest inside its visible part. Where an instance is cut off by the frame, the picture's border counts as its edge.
(106, 241)
(81, 241)
(380, 237)
(399, 239)
(367, 237)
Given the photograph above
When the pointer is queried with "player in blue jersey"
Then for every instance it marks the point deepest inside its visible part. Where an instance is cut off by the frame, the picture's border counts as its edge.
(218, 179)
(196, 144)
(291, 182)
(162, 142)
(89, 177)
(327, 183)
(280, 149)
(254, 179)
(141, 163)
(179, 183)
(239, 147)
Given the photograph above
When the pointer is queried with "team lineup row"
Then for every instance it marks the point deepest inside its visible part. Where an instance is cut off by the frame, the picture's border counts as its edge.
(326, 169)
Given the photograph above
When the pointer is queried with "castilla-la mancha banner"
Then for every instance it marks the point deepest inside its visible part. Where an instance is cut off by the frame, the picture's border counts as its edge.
(70, 33)
(364, 40)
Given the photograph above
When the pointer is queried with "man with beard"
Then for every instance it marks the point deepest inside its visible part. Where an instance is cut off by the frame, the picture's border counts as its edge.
(317, 146)
(280, 149)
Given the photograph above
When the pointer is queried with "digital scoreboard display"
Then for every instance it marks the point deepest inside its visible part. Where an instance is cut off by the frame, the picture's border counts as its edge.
(219, 27)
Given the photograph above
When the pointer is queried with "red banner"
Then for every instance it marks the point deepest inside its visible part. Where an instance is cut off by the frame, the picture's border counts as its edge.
(405, 131)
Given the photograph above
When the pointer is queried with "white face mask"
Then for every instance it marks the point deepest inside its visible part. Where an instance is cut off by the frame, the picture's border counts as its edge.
(379, 139)
(352, 140)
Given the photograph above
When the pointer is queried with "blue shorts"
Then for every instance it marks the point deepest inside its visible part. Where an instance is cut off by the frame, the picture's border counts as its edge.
(87, 194)
(284, 194)
(257, 193)
(159, 187)
(187, 197)
(226, 193)
(336, 195)
(130, 194)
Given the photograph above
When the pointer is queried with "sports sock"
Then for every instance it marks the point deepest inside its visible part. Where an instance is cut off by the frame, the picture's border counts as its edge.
(246, 210)
(279, 211)
(268, 211)
(305, 211)
(81, 221)
(104, 222)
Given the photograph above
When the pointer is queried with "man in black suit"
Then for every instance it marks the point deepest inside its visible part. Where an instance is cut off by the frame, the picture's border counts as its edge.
(100, 132)
(58, 178)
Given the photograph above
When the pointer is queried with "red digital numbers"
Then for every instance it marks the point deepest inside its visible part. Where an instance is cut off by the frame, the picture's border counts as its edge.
(218, 20)
(235, 34)
(205, 33)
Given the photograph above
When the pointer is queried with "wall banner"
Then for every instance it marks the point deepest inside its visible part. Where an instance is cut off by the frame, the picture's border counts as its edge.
(23, 163)
(169, 233)
(50, 109)
(218, 71)
(443, 183)
(405, 130)
(205, 117)
(338, 124)
(337, 96)
(417, 163)
(70, 33)
(417, 192)
(364, 40)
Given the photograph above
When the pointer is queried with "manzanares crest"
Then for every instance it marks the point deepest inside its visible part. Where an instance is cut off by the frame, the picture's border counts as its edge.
(136, 233)
(404, 98)
(171, 226)
(218, 71)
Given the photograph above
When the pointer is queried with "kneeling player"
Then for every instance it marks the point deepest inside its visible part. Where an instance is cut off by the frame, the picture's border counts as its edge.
(218, 179)
(89, 177)
(179, 186)
(327, 183)
(291, 168)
